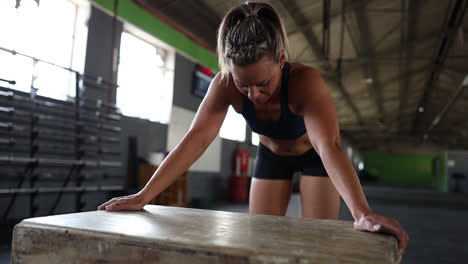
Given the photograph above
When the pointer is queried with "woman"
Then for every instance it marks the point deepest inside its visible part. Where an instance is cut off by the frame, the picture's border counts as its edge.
(289, 106)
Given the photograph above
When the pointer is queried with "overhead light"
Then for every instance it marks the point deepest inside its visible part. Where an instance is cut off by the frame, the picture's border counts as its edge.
(460, 37)
(421, 109)
(465, 81)
(436, 121)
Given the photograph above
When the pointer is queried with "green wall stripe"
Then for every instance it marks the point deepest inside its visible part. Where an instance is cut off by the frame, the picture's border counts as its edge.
(402, 170)
(443, 185)
(139, 17)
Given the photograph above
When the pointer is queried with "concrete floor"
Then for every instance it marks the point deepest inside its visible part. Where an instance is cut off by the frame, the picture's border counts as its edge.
(435, 222)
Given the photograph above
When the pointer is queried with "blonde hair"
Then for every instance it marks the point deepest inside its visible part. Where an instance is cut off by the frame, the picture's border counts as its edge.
(247, 33)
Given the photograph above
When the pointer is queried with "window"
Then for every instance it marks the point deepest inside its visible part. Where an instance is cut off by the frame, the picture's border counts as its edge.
(255, 139)
(145, 79)
(234, 126)
(53, 31)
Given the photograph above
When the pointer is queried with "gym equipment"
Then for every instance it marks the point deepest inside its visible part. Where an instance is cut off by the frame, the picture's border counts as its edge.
(163, 234)
(72, 138)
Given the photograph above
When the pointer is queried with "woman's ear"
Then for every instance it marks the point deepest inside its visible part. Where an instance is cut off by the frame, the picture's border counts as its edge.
(282, 58)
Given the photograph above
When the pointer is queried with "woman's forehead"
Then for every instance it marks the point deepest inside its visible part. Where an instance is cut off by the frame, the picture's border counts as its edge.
(253, 73)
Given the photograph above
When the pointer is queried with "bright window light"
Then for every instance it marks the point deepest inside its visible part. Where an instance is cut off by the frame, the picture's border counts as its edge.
(255, 139)
(145, 82)
(17, 68)
(234, 126)
(53, 31)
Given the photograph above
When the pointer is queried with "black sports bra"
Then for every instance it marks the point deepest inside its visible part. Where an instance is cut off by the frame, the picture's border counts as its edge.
(289, 125)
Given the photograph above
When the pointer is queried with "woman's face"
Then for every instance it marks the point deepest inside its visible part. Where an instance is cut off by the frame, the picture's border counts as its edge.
(259, 81)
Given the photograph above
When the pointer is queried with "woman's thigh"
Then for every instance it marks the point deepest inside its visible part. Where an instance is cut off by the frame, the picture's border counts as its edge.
(319, 198)
(269, 197)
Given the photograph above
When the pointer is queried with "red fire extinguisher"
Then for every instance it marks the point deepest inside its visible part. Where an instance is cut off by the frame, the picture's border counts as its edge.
(239, 181)
(241, 162)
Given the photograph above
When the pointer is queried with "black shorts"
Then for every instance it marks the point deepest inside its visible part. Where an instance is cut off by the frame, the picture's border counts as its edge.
(269, 165)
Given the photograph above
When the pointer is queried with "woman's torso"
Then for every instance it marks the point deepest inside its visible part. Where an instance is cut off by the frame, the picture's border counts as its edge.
(271, 111)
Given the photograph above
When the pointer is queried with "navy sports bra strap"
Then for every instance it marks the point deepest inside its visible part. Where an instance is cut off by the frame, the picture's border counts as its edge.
(284, 89)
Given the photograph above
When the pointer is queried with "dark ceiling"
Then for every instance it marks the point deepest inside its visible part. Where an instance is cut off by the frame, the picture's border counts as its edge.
(397, 78)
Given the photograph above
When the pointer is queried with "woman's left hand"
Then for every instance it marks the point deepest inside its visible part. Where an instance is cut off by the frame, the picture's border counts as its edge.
(380, 223)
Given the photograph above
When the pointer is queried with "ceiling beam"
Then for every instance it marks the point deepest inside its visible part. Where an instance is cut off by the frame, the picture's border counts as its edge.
(412, 42)
(387, 34)
(308, 34)
(403, 76)
(207, 41)
(326, 29)
(384, 10)
(300, 28)
(408, 22)
(382, 60)
(359, 27)
(440, 116)
(314, 43)
(454, 18)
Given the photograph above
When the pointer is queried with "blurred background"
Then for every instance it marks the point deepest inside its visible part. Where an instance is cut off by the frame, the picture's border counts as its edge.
(95, 93)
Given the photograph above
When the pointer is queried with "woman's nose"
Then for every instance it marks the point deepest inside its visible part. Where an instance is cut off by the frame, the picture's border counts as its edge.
(253, 93)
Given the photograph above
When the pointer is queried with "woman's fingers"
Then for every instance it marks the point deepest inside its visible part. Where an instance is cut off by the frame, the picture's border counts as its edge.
(130, 202)
(103, 206)
(394, 228)
(399, 234)
(403, 240)
(118, 205)
(380, 223)
(367, 224)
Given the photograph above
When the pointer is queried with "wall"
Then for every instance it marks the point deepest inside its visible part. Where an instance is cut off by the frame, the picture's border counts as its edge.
(209, 186)
(355, 156)
(132, 13)
(99, 51)
(457, 163)
(205, 186)
(181, 120)
(440, 171)
(401, 170)
(183, 84)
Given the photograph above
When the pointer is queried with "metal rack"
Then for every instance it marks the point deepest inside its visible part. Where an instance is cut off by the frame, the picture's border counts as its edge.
(70, 142)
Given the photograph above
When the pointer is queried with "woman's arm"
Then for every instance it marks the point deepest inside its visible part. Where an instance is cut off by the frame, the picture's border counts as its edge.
(323, 131)
(204, 128)
(324, 134)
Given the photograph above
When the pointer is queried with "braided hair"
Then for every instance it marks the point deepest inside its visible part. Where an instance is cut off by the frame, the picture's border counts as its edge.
(247, 33)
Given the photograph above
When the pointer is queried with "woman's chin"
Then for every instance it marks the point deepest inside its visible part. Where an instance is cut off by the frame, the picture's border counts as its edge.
(260, 101)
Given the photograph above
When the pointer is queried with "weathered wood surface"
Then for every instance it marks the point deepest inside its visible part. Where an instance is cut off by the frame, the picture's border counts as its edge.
(161, 234)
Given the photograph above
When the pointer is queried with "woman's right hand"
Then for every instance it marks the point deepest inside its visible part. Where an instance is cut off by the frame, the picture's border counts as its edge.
(132, 202)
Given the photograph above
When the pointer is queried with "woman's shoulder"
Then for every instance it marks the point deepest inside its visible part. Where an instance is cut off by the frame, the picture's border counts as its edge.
(223, 82)
(304, 82)
(304, 77)
(299, 71)
(225, 89)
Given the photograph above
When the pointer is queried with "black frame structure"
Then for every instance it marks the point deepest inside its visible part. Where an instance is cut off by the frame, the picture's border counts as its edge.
(72, 145)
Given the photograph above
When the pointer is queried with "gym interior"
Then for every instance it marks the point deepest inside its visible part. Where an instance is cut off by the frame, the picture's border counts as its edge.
(94, 94)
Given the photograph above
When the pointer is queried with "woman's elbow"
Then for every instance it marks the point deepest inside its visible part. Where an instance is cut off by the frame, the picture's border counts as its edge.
(328, 146)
